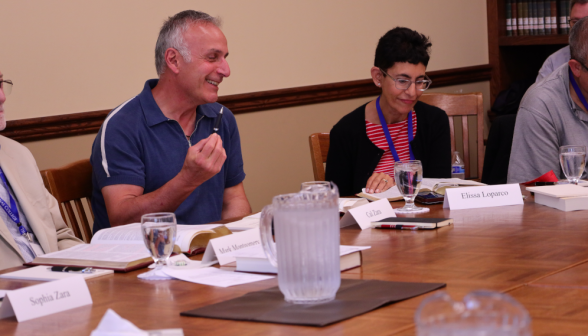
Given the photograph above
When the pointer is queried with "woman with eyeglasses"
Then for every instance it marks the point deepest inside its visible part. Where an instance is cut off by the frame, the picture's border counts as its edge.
(361, 155)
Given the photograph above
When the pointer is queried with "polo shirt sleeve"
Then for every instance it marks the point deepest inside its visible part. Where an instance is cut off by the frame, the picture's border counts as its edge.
(234, 162)
(535, 148)
(117, 153)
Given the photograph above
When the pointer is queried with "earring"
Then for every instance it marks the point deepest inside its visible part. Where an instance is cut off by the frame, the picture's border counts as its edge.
(378, 84)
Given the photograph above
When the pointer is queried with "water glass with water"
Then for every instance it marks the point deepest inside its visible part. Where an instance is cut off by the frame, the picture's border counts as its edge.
(481, 313)
(408, 176)
(573, 161)
(159, 234)
(306, 248)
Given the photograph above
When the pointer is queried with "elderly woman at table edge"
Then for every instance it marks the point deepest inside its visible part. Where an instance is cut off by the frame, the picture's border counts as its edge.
(360, 154)
(30, 221)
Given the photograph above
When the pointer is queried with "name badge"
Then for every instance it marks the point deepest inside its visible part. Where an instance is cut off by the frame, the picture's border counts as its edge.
(366, 214)
(221, 249)
(482, 197)
(46, 299)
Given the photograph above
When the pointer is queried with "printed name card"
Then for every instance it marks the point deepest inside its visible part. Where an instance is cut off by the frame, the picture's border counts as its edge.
(482, 197)
(46, 299)
(366, 214)
(222, 248)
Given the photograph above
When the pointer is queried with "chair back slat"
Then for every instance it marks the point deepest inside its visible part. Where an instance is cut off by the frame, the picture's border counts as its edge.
(319, 149)
(72, 220)
(462, 105)
(72, 183)
(466, 144)
(83, 218)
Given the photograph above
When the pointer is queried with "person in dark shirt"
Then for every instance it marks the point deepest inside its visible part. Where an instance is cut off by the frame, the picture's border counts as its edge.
(360, 156)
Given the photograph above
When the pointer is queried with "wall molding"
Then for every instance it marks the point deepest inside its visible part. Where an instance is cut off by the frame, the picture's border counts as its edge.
(59, 126)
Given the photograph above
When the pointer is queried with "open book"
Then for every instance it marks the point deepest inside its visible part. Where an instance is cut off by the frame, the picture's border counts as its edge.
(427, 184)
(122, 248)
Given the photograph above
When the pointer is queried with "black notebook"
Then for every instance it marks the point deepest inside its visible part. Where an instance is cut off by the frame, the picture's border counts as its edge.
(411, 223)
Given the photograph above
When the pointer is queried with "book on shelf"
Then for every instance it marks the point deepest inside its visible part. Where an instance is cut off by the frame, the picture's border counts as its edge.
(520, 21)
(253, 260)
(44, 273)
(554, 17)
(122, 248)
(533, 20)
(514, 17)
(508, 15)
(567, 197)
(411, 223)
(427, 184)
(541, 17)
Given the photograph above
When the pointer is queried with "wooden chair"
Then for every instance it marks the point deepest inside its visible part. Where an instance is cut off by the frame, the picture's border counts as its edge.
(72, 183)
(319, 148)
(462, 106)
(455, 105)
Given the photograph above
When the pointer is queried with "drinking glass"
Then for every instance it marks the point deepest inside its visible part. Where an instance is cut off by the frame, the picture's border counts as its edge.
(481, 313)
(408, 176)
(573, 160)
(159, 234)
(306, 251)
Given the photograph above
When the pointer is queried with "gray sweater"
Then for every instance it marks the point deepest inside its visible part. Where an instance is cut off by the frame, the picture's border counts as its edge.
(547, 119)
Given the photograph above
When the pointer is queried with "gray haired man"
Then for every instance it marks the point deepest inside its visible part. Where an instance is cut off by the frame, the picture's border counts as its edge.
(552, 114)
(578, 10)
(172, 148)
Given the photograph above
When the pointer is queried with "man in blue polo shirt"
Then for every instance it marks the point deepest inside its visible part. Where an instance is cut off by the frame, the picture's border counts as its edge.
(157, 151)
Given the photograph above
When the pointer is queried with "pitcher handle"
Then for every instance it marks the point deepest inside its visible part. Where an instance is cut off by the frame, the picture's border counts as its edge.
(265, 231)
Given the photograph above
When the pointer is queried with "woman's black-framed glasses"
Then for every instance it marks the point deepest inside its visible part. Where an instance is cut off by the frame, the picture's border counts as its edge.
(404, 84)
(6, 86)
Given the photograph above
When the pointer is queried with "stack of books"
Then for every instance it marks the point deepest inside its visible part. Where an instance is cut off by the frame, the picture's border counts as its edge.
(537, 17)
(567, 197)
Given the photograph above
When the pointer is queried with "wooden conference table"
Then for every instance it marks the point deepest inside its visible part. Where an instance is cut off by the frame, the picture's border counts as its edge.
(536, 254)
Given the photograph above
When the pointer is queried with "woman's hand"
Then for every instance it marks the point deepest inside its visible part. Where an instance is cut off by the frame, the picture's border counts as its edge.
(379, 182)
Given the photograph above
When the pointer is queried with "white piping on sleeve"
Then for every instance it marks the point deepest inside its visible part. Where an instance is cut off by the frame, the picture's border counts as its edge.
(102, 148)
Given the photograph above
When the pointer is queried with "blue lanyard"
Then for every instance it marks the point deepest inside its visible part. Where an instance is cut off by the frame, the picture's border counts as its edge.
(577, 89)
(387, 132)
(12, 210)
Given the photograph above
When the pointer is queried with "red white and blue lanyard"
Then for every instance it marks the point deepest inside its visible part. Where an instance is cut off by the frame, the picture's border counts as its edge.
(387, 132)
(577, 89)
(12, 210)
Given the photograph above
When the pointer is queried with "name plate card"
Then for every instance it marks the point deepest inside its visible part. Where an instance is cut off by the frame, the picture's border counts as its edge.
(366, 214)
(46, 299)
(482, 197)
(222, 249)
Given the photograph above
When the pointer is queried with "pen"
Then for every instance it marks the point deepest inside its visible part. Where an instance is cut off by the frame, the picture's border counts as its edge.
(218, 121)
(69, 269)
(397, 227)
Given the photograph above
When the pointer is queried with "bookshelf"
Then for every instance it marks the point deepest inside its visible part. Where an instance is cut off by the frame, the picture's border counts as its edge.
(515, 57)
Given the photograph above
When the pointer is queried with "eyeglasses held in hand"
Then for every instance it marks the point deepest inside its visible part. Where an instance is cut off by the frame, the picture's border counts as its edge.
(6, 86)
(404, 84)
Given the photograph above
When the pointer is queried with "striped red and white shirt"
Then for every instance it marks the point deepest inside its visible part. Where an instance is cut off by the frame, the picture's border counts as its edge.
(399, 134)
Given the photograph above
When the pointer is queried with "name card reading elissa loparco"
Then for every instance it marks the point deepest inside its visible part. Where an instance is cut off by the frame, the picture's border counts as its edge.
(482, 197)
(46, 299)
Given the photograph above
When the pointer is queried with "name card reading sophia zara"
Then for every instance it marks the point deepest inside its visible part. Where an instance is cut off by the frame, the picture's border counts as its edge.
(482, 197)
(46, 299)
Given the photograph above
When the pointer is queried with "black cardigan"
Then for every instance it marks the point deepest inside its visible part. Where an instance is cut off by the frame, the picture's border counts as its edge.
(353, 157)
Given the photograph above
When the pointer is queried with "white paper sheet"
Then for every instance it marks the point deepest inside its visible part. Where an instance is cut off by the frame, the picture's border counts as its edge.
(214, 277)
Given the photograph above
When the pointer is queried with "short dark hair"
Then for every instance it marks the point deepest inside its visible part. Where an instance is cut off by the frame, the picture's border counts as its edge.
(581, 2)
(402, 45)
(579, 40)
